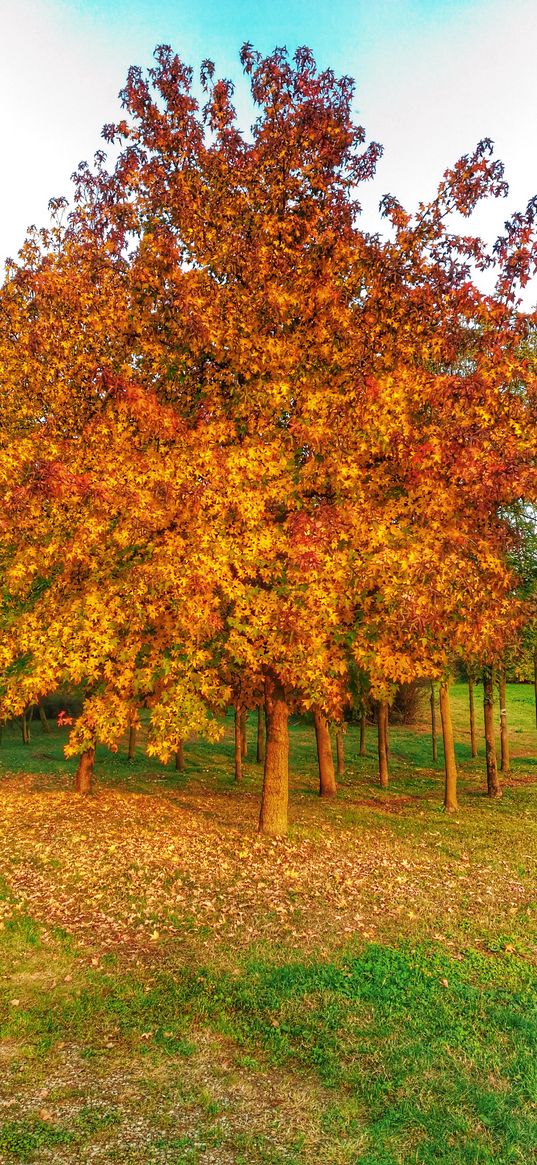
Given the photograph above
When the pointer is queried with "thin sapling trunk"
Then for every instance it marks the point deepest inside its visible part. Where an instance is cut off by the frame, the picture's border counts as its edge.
(43, 718)
(433, 724)
(505, 763)
(493, 782)
(382, 728)
(327, 778)
(473, 736)
(238, 745)
(131, 752)
(450, 763)
(260, 742)
(244, 734)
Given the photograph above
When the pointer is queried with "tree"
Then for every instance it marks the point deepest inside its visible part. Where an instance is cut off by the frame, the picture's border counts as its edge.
(493, 783)
(210, 324)
(450, 763)
(327, 777)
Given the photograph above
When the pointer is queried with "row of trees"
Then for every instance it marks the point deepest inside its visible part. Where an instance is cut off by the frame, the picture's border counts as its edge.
(249, 451)
(410, 699)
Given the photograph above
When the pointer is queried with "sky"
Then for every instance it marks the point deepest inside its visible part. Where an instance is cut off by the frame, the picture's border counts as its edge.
(433, 77)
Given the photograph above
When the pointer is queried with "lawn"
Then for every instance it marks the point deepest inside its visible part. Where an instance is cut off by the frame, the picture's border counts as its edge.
(176, 989)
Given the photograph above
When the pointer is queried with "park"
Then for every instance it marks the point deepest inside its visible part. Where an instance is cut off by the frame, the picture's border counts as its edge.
(268, 651)
(177, 988)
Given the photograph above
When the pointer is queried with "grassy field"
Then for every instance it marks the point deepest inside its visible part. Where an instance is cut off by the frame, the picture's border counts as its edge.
(176, 989)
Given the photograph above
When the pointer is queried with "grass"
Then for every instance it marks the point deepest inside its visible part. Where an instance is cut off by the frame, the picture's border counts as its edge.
(175, 989)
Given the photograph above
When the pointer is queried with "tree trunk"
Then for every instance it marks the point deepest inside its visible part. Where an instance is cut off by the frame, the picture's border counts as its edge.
(362, 732)
(260, 749)
(493, 783)
(131, 753)
(238, 745)
(274, 798)
(473, 738)
(433, 724)
(26, 719)
(504, 735)
(179, 757)
(43, 718)
(84, 772)
(340, 752)
(450, 763)
(382, 726)
(535, 681)
(244, 737)
(327, 779)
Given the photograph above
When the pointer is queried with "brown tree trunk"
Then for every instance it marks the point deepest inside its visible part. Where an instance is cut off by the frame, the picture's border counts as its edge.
(26, 719)
(244, 736)
(84, 772)
(274, 798)
(382, 726)
(505, 764)
(340, 752)
(43, 718)
(260, 744)
(433, 724)
(179, 757)
(450, 763)
(493, 783)
(238, 745)
(535, 681)
(362, 732)
(131, 753)
(473, 738)
(327, 779)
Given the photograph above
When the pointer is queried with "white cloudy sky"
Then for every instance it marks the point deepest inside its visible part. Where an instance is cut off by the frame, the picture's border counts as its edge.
(434, 76)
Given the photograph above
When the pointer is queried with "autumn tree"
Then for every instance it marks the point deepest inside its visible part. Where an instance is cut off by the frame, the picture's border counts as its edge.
(241, 435)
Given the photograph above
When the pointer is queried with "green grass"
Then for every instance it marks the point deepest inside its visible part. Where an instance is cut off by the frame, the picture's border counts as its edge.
(212, 1048)
(409, 1054)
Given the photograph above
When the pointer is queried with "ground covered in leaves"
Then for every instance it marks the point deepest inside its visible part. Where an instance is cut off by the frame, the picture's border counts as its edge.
(177, 989)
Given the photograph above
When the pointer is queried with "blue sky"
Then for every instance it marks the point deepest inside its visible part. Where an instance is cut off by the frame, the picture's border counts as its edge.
(433, 76)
